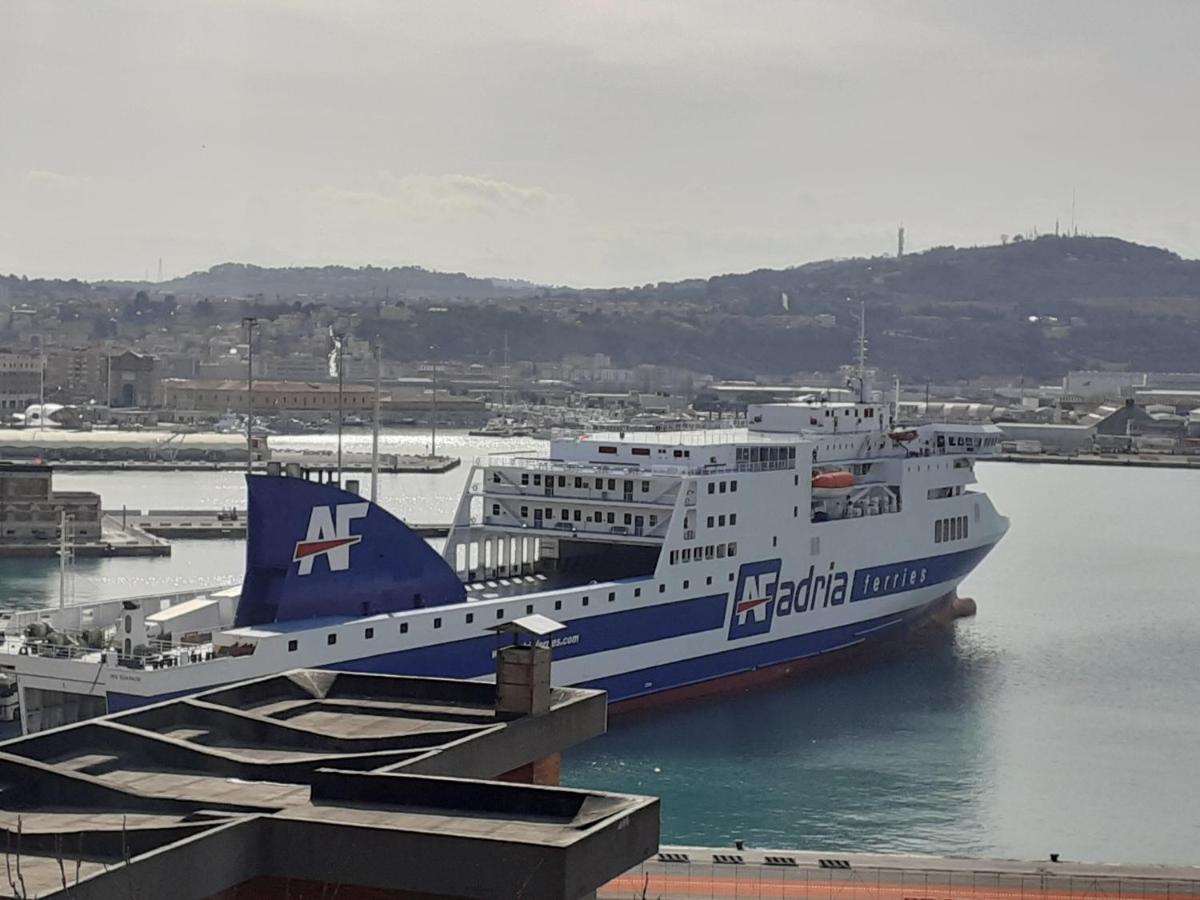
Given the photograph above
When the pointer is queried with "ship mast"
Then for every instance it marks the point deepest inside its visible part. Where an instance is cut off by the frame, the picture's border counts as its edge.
(862, 351)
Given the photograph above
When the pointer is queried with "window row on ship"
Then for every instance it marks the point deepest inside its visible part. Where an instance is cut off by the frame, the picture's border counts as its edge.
(436, 622)
(569, 514)
(579, 482)
(702, 553)
(953, 528)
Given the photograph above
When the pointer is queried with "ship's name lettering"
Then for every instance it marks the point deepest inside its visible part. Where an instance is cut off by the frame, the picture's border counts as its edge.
(834, 587)
(824, 589)
(761, 594)
(873, 582)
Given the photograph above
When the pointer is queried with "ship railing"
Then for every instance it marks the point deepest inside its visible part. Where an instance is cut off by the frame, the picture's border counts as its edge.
(156, 654)
(100, 613)
(630, 470)
(584, 494)
(688, 872)
(579, 467)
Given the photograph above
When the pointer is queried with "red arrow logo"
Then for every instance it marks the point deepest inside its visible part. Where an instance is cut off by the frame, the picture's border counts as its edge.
(312, 548)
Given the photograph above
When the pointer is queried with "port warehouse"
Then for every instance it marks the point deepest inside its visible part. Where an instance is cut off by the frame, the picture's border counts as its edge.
(19, 443)
(187, 400)
(1119, 427)
(31, 510)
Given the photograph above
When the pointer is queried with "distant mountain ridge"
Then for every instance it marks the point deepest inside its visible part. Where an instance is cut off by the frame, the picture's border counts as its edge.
(340, 282)
(1030, 307)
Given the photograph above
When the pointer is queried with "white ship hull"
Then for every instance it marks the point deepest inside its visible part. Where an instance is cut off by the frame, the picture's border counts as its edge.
(732, 570)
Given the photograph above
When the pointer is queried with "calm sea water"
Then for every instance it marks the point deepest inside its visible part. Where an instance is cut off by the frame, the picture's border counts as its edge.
(1065, 717)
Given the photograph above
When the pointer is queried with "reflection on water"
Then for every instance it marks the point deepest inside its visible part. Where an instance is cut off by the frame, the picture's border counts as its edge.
(870, 757)
(1064, 718)
(29, 583)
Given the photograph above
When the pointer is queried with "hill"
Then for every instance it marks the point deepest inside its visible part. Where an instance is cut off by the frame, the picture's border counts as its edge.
(1034, 308)
(339, 282)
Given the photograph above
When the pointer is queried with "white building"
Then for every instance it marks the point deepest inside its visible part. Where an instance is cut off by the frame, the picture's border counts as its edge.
(1099, 385)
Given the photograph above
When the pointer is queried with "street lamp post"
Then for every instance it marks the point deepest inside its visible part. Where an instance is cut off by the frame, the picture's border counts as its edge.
(433, 417)
(341, 375)
(249, 323)
(375, 423)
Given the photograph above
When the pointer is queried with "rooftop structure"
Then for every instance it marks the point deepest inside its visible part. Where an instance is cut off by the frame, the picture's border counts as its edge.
(311, 781)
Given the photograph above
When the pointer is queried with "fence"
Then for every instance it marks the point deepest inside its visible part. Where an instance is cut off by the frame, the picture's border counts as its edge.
(785, 877)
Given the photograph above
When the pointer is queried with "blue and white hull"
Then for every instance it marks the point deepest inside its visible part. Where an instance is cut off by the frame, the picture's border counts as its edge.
(676, 567)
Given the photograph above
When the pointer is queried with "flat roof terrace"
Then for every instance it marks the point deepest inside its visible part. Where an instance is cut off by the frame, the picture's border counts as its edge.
(368, 782)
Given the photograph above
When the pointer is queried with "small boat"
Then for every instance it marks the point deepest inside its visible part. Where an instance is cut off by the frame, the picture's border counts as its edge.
(502, 427)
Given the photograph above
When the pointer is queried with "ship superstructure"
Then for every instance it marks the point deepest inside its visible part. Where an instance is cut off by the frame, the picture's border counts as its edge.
(678, 562)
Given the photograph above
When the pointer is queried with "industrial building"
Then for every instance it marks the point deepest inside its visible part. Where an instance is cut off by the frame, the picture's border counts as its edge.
(32, 511)
(269, 396)
(129, 446)
(20, 381)
(1112, 427)
(318, 784)
(86, 374)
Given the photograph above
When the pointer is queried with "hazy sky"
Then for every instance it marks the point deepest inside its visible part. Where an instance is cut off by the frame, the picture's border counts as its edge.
(589, 143)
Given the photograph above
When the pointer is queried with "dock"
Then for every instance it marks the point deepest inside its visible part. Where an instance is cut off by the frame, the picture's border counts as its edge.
(681, 872)
(115, 540)
(1110, 460)
(210, 524)
(393, 465)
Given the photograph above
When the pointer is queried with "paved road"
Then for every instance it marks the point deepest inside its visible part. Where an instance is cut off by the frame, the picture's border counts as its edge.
(800, 875)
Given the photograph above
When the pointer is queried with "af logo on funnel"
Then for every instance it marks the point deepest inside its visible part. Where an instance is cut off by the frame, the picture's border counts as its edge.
(329, 536)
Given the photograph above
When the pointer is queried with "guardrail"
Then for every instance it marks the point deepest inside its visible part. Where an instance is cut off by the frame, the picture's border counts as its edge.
(76, 617)
(675, 874)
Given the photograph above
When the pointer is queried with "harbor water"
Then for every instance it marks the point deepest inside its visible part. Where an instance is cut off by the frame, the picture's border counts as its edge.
(1064, 718)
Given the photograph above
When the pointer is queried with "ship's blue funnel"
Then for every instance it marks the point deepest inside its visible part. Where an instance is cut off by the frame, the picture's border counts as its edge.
(315, 550)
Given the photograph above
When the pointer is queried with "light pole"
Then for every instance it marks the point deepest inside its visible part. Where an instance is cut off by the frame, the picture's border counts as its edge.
(249, 323)
(433, 417)
(375, 423)
(339, 340)
(42, 383)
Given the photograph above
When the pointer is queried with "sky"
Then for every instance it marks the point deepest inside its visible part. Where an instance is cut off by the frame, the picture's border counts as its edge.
(585, 143)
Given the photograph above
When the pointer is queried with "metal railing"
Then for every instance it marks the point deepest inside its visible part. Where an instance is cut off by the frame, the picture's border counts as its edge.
(629, 470)
(783, 876)
(73, 617)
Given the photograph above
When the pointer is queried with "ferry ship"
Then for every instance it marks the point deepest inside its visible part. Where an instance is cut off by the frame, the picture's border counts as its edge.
(678, 564)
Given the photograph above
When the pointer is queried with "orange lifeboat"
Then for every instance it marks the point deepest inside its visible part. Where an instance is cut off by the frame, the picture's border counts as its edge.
(833, 481)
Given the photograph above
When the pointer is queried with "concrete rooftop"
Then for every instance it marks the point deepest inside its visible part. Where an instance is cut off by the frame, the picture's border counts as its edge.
(310, 770)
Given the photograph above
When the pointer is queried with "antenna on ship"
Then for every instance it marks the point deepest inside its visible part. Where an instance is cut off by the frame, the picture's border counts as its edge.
(66, 555)
(861, 371)
(337, 370)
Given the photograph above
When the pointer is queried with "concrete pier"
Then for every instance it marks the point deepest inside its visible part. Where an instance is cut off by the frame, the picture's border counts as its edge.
(678, 872)
(1103, 460)
(115, 540)
(210, 523)
(392, 466)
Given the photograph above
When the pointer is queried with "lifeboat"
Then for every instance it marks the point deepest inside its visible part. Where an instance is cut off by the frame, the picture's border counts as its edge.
(903, 437)
(832, 483)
